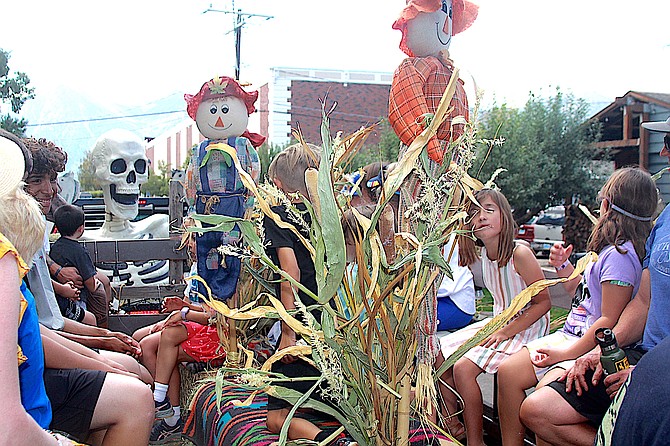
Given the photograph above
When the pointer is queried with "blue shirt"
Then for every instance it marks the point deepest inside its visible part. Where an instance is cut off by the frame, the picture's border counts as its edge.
(657, 261)
(31, 372)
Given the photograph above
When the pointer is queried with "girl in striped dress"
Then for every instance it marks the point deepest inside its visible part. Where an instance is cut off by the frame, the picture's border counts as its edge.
(508, 268)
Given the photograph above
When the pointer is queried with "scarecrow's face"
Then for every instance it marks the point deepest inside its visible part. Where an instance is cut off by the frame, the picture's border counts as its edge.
(430, 33)
(221, 118)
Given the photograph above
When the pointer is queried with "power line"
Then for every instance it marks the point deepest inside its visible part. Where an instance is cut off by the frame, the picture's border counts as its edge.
(240, 21)
(107, 118)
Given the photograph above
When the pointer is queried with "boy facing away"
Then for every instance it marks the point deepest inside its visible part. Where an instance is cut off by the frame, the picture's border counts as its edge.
(67, 251)
(287, 172)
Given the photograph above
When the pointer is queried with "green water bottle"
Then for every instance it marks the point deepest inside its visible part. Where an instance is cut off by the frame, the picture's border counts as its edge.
(612, 358)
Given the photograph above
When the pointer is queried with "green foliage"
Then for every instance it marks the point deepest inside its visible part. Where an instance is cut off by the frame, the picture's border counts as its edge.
(158, 185)
(547, 152)
(86, 174)
(15, 92)
(385, 150)
(266, 154)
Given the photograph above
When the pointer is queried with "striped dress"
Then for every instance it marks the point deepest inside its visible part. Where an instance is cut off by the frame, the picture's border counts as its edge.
(504, 284)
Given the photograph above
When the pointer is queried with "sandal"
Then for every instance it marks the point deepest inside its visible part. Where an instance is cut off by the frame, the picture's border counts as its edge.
(456, 429)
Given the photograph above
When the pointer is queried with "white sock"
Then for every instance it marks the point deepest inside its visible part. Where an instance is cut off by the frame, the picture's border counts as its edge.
(160, 390)
(174, 419)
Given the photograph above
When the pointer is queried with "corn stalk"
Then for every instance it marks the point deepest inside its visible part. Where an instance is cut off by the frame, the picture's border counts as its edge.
(365, 343)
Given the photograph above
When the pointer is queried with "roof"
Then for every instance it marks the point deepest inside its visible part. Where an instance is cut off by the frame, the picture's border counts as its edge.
(661, 99)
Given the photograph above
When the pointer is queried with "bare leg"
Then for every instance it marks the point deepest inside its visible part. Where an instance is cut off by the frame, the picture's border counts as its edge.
(515, 375)
(142, 333)
(89, 318)
(169, 351)
(149, 345)
(174, 387)
(551, 376)
(465, 376)
(125, 409)
(449, 400)
(298, 428)
(98, 300)
(554, 420)
(130, 364)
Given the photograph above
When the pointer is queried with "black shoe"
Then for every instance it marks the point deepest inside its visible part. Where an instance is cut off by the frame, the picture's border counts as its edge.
(162, 433)
(344, 441)
(163, 408)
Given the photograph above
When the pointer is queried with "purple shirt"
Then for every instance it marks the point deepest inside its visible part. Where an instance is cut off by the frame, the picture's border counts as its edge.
(610, 266)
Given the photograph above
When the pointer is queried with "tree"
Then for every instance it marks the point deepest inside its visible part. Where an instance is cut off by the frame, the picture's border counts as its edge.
(266, 153)
(546, 152)
(86, 174)
(158, 185)
(15, 92)
(385, 150)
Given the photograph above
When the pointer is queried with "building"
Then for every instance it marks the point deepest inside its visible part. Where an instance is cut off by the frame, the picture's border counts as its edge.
(290, 101)
(173, 146)
(293, 98)
(626, 142)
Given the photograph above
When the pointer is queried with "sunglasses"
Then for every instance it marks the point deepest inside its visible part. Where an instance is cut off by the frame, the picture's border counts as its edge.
(666, 141)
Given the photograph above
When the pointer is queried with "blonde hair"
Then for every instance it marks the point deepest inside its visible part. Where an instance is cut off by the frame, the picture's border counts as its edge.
(289, 166)
(632, 190)
(22, 223)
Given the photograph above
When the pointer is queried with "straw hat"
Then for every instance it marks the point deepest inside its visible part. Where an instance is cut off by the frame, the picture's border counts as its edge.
(465, 13)
(12, 167)
(658, 126)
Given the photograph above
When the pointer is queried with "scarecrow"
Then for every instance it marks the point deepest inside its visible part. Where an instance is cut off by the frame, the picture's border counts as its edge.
(221, 112)
(427, 27)
(418, 85)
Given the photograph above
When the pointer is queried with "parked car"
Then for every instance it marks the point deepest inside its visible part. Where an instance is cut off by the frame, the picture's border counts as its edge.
(94, 209)
(544, 230)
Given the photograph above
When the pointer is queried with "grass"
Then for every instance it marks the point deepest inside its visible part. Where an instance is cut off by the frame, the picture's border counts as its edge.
(557, 315)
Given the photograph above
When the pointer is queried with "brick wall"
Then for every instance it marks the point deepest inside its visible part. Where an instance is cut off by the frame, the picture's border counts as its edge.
(357, 105)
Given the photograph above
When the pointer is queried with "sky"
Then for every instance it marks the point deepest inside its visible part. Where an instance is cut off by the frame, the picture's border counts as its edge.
(127, 53)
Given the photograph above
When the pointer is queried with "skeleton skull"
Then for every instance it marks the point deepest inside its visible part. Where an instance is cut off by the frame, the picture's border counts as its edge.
(121, 166)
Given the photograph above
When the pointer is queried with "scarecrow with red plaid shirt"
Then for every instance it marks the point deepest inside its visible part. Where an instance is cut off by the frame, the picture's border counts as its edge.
(419, 83)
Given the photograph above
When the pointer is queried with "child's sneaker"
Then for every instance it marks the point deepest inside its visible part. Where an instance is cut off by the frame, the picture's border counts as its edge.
(345, 441)
(163, 433)
(163, 408)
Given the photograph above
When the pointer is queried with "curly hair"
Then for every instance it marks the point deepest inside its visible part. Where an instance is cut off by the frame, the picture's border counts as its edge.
(48, 158)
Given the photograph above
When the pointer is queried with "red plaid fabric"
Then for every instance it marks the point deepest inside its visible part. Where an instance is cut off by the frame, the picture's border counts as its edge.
(418, 85)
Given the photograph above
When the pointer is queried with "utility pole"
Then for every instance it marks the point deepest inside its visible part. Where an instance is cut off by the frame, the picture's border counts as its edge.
(240, 21)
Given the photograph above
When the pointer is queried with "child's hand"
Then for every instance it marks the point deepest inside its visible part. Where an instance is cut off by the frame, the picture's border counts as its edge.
(69, 291)
(172, 303)
(173, 319)
(546, 357)
(495, 339)
(559, 254)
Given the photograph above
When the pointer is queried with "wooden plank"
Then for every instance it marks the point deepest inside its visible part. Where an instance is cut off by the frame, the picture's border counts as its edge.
(644, 144)
(148, 291)
(627, 123)
(177, 198)
(135, 250)
(634, 142)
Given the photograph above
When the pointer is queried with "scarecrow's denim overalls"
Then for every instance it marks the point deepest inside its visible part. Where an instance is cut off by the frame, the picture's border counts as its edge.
(220, 191)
